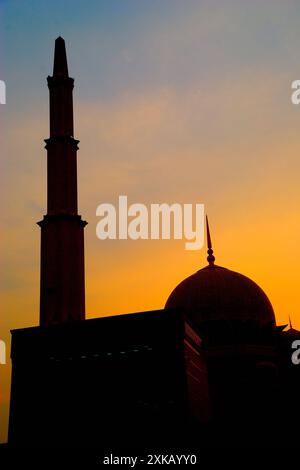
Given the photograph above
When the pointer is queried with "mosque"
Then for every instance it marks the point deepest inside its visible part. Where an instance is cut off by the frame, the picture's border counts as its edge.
(211, 369)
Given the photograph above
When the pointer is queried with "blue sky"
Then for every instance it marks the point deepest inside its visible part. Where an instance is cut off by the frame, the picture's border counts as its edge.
(119, 45)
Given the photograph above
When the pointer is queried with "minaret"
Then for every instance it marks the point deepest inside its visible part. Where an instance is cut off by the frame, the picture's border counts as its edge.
(62, 296)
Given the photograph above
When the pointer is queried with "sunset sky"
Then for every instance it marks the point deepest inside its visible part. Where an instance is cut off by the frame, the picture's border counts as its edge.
(184, 101)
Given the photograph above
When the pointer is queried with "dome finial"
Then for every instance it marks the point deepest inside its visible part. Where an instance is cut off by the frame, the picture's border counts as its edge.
(290, 322)
(210, 257)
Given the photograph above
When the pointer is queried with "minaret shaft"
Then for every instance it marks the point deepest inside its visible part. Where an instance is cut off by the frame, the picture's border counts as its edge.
(62, 296)
(62, 175)
(61, 105)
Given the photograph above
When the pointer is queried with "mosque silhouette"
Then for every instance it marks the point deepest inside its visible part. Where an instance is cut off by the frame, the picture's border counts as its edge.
(211, 369)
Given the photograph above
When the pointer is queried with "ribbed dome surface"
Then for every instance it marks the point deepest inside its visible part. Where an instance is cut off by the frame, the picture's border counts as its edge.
(216, 293)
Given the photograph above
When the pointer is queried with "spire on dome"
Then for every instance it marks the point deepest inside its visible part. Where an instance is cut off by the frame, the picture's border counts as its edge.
(210, 257)
(60, 67)
(290, 322)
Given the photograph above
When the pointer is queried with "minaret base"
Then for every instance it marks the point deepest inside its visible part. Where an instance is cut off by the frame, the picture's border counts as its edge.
(62, 290)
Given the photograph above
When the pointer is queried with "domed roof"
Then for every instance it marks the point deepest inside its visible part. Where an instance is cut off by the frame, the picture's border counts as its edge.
(215, 293)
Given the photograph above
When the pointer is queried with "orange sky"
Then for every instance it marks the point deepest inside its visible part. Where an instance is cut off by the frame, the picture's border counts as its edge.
(228, 140)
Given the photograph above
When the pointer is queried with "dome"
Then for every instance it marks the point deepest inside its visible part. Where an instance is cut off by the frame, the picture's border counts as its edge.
(215, 293)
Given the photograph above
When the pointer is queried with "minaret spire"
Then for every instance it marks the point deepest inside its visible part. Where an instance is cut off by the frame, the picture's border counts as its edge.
(61, 94)
(210, 257)
(62, 296)
(60, 66)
